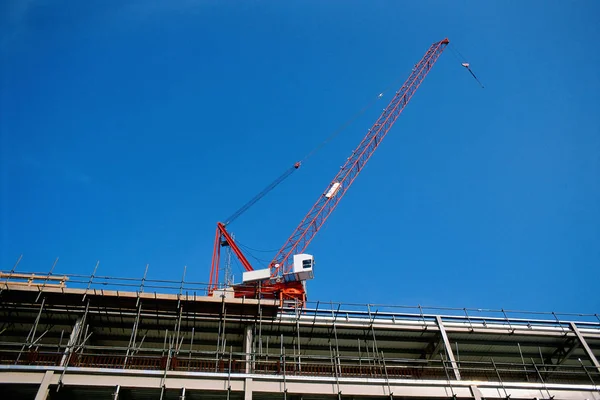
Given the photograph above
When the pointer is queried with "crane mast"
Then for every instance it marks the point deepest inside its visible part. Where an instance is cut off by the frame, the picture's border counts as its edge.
(280, 282)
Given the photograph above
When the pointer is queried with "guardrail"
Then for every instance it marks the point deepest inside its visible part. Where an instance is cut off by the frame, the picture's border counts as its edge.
(348, 367)
(317, 309)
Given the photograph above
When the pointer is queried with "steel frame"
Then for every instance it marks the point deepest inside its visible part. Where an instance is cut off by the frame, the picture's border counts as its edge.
(281, 285)
(337, 342)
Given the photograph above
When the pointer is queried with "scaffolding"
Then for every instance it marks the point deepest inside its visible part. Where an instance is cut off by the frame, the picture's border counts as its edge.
(73, 323)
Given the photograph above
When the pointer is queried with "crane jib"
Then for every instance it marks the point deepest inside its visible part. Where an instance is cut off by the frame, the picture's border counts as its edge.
(289, 268)
(314, 219)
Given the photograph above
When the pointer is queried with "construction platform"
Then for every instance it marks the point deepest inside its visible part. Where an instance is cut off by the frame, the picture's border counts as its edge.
(72, 336)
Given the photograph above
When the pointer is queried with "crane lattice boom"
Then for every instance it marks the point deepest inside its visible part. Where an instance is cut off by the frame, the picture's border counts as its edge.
(316, 217)
(279, 282)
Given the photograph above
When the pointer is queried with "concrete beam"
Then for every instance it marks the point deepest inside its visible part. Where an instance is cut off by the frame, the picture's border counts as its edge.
(320, 386)
(248, 347)
(75, 333)
(248, 389)
(589, 352)
(248, 350)
(44, 389)
(116, 393)
(449, 351)
(476, 392)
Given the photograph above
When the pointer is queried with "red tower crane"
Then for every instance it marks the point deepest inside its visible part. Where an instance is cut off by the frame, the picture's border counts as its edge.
(285, 278)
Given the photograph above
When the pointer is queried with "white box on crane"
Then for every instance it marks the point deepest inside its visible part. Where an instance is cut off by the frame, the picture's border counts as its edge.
(256, 275)
(303, 266)
(335, 186)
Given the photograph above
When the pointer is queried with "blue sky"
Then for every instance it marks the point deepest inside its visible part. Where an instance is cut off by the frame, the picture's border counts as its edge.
(128, 128)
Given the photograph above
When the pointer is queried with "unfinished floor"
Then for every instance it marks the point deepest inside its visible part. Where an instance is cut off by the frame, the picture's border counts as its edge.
(98, 341)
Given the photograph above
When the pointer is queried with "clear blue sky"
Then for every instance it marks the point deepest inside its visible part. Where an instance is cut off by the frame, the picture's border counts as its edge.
(128, 128)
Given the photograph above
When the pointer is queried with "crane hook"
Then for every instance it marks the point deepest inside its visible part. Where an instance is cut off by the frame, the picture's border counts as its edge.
(468, 67)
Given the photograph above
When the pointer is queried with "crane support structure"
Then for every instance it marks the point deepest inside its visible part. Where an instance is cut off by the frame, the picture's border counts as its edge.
(281, 283)
(316, 217)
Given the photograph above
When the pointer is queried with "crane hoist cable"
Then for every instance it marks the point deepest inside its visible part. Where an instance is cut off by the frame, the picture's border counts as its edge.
(342, 127)
(261, 261)
(257, 250)
(464, 63)
(467, 66)
(352, 119)
(311, 153)
(262, 194)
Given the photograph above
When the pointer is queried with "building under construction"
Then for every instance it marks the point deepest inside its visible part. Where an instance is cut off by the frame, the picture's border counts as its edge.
(93, 337)
(74, 336)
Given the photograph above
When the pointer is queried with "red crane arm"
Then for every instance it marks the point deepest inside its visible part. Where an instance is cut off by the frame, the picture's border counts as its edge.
(316, 217)
(223, 238)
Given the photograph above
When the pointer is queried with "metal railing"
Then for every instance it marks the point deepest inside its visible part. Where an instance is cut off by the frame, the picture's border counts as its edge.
(468, 317)
(306, 366)
(507, 319)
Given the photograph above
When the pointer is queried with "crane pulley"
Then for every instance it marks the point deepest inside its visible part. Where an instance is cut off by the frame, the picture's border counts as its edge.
(290, 268)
